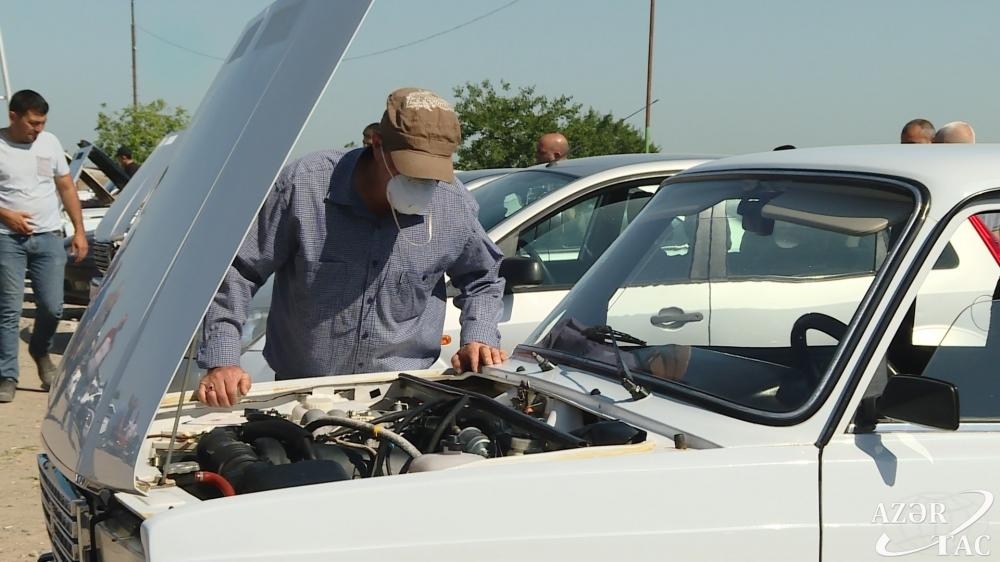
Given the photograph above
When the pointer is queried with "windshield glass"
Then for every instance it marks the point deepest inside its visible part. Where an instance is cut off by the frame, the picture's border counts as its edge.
(503, 197)
(738, 288)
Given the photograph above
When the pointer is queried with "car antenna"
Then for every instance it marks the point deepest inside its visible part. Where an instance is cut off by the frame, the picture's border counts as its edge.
(637, 391)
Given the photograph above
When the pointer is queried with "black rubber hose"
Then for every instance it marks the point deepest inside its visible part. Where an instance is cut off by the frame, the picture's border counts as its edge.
(222, 452)
(406, 417)
(449, 418)
(296, 440)
(380, 456)
(376, 430)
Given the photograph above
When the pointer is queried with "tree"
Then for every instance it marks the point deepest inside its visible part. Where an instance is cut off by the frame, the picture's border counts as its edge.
(500, 128)
(139, 128)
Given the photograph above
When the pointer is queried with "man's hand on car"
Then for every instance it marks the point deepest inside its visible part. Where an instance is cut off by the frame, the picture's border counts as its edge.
(223, 387)
(474, 355)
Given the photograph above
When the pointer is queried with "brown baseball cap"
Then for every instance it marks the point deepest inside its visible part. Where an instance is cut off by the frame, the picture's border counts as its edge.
(421, 132)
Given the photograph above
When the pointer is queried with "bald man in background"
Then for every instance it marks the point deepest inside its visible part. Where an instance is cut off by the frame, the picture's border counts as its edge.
(551, 147)
(958, 132)
(917, 131)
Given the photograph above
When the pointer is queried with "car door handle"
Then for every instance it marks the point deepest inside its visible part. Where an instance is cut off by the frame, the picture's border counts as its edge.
(674, 317)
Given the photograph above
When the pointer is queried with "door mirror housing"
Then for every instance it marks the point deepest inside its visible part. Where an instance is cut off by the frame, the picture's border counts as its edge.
(920, 400)
(520, 271)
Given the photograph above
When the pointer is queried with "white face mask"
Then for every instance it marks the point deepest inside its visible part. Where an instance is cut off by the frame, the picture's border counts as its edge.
(397, 188)
(403, 191)
(401, 185)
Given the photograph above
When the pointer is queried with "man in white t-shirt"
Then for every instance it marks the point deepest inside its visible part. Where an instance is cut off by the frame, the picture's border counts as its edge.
(34, 177)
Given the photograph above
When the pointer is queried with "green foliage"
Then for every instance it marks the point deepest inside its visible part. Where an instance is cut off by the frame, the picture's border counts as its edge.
(140, 128)
(500, 128)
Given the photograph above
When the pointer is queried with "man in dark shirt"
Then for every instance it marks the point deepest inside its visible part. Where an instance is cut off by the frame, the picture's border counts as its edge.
(359, 243)
(124, 157)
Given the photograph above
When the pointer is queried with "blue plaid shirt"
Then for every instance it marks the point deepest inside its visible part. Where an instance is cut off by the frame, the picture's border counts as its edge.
(352, 293)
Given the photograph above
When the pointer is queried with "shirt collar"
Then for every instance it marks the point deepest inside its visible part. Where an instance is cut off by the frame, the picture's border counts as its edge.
(341, 190)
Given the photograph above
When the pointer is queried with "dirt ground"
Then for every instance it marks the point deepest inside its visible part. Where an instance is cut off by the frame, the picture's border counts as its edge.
(22, 529)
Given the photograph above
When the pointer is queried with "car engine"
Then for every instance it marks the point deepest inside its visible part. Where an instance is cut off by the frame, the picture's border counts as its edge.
(417, 425)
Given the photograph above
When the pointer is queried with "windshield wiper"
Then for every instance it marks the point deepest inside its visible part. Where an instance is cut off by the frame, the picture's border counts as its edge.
(602, 334)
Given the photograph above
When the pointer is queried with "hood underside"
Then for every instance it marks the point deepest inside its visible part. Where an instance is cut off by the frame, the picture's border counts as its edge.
(134, 335)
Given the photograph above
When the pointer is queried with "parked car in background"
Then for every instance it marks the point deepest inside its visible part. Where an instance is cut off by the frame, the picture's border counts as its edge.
(590, 442)
(103, 180)
(555, 221)
(110, 233)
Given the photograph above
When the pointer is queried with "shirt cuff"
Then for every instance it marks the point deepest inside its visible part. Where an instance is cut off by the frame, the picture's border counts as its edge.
(219, 351)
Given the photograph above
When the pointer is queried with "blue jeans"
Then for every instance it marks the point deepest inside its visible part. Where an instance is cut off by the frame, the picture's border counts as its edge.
(43, 257)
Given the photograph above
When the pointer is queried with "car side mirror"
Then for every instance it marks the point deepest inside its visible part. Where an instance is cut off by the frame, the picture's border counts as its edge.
(920, 400)
(520, 271)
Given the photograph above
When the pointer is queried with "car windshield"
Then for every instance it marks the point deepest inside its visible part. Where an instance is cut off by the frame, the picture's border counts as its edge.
(734, 288)
(505, 196)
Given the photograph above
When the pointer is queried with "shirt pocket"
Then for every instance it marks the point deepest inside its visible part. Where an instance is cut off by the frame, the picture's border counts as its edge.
(409, 296)
(43, 165)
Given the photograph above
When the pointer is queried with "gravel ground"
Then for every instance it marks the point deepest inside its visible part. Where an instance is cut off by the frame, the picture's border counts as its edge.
(22, 529)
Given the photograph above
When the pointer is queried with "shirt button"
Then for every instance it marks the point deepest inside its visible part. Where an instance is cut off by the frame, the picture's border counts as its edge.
(361, 364)
(364, 336)
(374, 263)
(371, 300)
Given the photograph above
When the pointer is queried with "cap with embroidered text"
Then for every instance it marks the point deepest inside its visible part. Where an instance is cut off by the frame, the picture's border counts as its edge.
(420, 132)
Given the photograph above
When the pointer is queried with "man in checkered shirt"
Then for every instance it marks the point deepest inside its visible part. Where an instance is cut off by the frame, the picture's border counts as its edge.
(359, 244)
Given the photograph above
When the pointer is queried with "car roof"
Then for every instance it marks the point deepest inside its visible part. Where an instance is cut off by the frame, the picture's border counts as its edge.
(469, 175)
(590, 173)
(590, 165)
(950, 172)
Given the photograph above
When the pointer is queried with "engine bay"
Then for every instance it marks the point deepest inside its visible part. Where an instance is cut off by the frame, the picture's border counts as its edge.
(409, 424)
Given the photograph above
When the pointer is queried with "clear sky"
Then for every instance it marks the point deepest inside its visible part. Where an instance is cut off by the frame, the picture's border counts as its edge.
(731, 76)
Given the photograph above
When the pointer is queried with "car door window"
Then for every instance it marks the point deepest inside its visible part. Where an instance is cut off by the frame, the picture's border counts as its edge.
(952, 332)
(570, 240)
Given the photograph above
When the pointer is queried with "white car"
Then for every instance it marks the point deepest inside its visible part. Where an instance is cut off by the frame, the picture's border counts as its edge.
(94, 201)
(590, 442)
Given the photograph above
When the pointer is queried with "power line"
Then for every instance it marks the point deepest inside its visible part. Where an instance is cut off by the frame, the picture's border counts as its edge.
(178, 45)
(432, 36)
(366, 55)
(638, 110)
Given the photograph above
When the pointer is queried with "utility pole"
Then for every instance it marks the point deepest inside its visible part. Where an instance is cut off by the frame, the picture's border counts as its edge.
(6, 80)
(135, 86)
(649, 72)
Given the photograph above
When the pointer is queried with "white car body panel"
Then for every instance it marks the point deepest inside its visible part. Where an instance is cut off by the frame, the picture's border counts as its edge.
(773, 520)
(918, 512)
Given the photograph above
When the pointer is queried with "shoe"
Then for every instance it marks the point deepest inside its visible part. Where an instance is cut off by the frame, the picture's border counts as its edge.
(46, 370)
(7, 389)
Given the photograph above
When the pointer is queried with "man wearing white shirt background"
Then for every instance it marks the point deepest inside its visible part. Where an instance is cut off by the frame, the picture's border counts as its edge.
(34, 178)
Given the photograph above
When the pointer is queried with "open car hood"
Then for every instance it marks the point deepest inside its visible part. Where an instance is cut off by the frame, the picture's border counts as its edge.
(132, 338)
(128, 202)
